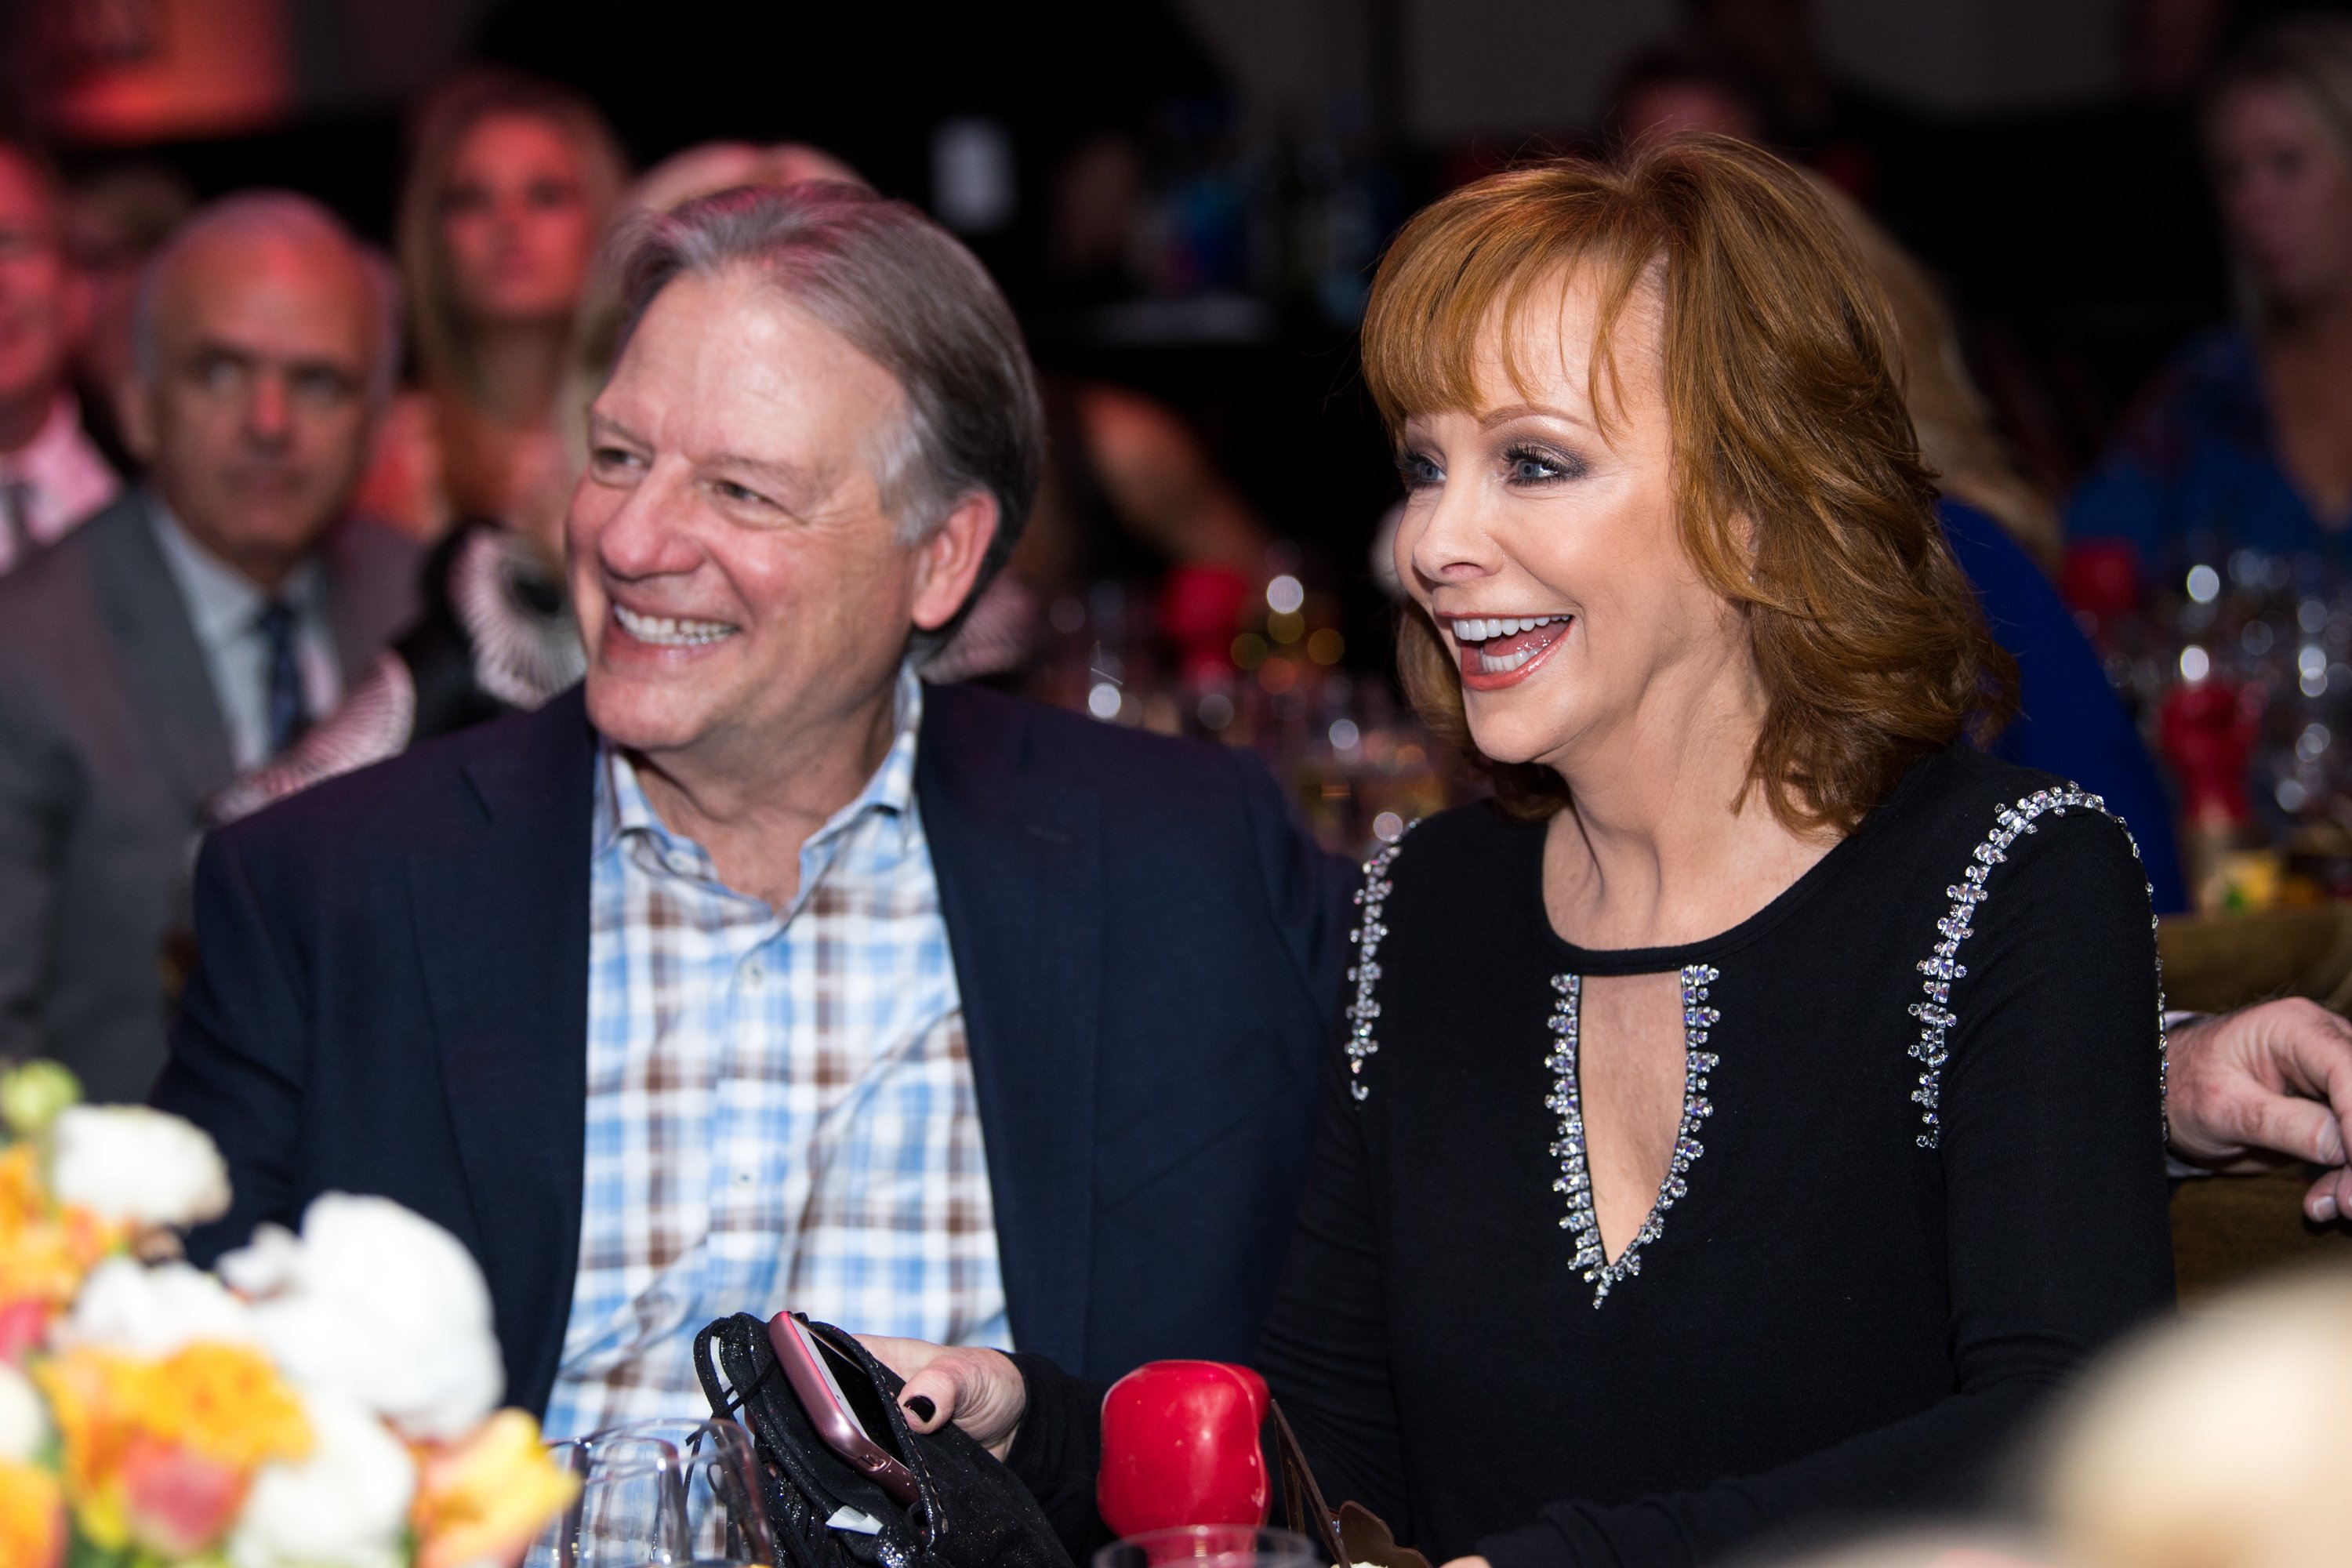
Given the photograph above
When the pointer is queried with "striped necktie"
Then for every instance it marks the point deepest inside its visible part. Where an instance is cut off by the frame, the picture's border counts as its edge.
(283, 689)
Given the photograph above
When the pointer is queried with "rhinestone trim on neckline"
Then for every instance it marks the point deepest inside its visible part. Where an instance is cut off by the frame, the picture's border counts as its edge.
(1575, 1183)
(1942, 967)
(1366, 971)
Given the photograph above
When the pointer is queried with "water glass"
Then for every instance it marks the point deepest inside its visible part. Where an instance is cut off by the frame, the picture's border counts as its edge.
(660, 1494)
(720, 1515)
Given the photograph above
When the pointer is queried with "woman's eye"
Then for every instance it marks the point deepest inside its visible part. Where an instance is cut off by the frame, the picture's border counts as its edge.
(1530, 466)
(1418, 470)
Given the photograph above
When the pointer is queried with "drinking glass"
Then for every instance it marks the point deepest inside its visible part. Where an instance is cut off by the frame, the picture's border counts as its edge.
(671, 1491)
(1210, 1546)
(556, 1546)
(631, 1507)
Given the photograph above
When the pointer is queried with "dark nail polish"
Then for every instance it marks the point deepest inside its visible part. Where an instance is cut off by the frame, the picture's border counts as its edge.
(920, 1408)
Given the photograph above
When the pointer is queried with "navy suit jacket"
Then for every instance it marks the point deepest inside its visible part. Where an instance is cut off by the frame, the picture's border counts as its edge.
(393, 989)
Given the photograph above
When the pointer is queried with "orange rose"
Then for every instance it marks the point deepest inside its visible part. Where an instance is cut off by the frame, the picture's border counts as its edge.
(481, 1500)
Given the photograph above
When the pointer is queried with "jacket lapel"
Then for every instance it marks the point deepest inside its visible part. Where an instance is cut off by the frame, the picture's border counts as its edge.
(166, 666)
(1019, 864)
(502, 924)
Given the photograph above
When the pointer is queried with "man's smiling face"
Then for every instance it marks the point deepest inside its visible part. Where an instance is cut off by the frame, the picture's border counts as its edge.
(738, 583)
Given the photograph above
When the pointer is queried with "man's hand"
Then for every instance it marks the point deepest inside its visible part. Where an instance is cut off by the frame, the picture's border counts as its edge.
(2245, 1089)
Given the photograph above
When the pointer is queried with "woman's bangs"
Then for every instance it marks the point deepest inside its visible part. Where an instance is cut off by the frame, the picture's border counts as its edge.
(1435, 323)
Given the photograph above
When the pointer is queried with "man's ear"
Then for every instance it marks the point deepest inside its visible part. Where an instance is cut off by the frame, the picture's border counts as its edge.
(134, 415)
(948, 562)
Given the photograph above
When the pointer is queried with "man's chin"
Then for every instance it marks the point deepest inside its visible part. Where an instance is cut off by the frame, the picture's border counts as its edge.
(641, 715)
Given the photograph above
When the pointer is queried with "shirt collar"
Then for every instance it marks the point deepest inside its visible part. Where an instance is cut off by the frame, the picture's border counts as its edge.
(223, 603)
(621, 808)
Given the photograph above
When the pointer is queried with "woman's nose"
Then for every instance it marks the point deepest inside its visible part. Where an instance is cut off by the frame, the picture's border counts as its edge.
(1453, 543)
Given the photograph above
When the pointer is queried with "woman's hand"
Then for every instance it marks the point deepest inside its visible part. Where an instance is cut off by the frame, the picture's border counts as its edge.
(979, 1390)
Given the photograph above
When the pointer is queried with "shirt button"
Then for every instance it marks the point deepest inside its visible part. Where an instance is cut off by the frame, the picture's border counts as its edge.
(754, 971)
(743, 1178)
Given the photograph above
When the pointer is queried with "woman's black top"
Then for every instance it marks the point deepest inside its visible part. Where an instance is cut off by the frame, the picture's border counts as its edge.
(1919, 1179)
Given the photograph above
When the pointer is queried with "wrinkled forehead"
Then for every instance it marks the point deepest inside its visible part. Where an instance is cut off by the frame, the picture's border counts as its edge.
(728, 362)
(1581, 330)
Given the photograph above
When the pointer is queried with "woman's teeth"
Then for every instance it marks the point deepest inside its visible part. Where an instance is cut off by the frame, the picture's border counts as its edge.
(668, 631)
(1490, 665)
(1487, 628)
(1497, 645)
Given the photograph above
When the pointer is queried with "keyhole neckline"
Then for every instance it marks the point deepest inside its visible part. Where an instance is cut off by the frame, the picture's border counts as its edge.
(1574, 1183)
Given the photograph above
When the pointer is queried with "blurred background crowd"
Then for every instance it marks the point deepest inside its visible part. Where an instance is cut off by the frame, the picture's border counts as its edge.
(2118, 234)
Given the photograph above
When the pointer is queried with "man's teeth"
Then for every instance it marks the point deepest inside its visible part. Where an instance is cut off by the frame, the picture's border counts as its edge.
(668, 631)
(1486, 627)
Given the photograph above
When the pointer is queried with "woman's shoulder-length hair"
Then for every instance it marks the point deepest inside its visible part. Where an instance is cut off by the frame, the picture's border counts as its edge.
(447, 114)
(1799, 486)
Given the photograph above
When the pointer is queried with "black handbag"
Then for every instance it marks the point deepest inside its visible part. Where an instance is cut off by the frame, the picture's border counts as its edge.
(970, 1510)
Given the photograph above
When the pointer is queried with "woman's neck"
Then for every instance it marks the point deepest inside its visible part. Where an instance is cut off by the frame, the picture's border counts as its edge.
(2321, 328)
(1666, 839)
(518, 368)
(2306, 361)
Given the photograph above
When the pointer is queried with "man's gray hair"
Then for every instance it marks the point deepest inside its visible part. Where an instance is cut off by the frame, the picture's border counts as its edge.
(911, 299)
(284, 214)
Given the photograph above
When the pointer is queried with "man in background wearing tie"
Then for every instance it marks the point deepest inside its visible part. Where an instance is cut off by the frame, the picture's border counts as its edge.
(51, 477)
(192, 629)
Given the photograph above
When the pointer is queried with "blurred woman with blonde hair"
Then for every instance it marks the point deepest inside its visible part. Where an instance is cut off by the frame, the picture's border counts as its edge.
(510, 184)
(2245, 440)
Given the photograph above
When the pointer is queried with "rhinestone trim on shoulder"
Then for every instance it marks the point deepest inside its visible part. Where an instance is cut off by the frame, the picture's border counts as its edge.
(1366, 971)
(1942, 967)
(1575, 1183)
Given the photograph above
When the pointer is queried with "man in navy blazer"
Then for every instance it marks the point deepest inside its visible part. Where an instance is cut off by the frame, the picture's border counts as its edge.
(821, 436)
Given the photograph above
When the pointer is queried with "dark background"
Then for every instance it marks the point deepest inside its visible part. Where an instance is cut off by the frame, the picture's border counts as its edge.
(2029, 153)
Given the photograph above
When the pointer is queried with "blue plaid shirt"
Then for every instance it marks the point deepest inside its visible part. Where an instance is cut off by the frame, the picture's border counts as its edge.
(781, 1110)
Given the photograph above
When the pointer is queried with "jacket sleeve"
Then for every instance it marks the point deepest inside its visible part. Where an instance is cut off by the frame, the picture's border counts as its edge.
(1308, 889)
(236, 1068)
(35, 789)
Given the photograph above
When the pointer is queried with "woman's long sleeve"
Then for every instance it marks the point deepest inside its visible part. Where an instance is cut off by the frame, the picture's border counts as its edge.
(1057, 1451)
(1325, 1352)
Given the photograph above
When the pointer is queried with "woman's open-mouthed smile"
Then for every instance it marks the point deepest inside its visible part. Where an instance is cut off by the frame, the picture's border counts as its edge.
(1496, 651)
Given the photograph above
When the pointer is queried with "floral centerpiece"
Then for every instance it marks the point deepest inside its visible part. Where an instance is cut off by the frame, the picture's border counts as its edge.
(326, 1400)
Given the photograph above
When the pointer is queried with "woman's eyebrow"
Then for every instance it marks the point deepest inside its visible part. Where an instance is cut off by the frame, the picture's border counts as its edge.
(1511, 411)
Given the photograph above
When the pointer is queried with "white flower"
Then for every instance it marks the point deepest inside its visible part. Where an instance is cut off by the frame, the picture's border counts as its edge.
(128, 1162)
(343, 1507)
(151, 1312)
(268, 1264)
(24, 1424)
(380, 1305)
